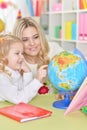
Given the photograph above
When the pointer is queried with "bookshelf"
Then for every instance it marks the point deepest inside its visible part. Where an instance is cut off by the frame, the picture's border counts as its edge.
(63, 22)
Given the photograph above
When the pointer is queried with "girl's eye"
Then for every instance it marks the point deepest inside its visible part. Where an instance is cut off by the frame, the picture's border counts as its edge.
(17, 53)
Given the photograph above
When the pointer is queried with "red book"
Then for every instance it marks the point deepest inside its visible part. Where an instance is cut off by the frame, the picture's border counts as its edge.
(38, 7)
(81, 4)
(23, 112)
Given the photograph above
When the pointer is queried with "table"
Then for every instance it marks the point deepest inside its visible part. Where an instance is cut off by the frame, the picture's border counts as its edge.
(74, 121)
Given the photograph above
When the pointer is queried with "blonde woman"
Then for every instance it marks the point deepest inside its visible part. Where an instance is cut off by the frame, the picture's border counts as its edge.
(16, 79)
(37, 51)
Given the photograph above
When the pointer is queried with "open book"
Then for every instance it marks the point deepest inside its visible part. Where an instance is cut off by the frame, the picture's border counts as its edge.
(79, 100)
(24, 112)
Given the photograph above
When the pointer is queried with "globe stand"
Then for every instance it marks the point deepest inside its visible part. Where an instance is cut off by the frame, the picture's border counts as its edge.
(64, 103)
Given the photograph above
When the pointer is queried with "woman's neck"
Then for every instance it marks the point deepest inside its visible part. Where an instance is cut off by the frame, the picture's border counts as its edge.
(31, 60)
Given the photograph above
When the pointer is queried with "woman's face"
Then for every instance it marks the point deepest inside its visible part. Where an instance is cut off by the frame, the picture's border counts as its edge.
(31, 41)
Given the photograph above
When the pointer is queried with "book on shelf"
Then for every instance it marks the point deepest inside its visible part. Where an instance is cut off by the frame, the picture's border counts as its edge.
(81, 4)
(68, 30)
(23, 112)
(79, 100)
(82, 26)
(84, 2)
(85, 26)
(30, 7)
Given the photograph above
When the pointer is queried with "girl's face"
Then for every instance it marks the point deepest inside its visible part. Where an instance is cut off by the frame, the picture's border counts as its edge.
(15, 56)
(31, 40)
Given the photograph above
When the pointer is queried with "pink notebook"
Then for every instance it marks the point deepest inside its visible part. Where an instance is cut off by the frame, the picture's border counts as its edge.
(81, 26)
(79, 100)
(85, 26)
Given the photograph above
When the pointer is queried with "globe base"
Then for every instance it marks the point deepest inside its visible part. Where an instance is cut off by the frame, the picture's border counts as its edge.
(63, 104)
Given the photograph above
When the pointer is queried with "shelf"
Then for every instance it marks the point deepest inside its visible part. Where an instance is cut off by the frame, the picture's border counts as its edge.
(64, 24)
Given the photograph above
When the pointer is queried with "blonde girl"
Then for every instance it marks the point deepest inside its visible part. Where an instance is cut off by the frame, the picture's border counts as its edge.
(16, 80)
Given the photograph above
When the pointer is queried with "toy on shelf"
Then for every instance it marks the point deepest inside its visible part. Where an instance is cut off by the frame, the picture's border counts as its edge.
(19, 14)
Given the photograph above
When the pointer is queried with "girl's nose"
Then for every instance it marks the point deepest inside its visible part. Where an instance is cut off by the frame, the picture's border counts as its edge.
(21, 56)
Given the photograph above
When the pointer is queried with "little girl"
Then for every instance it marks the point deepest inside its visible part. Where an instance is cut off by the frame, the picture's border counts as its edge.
(16, 80)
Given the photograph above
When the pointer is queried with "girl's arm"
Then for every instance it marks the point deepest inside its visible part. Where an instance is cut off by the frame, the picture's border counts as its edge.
(9, 91)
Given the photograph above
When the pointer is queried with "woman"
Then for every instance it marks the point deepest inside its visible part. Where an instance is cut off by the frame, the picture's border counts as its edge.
(37, 51)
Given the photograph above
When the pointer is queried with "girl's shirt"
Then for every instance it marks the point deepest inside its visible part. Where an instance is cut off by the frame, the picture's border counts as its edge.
(17, 88)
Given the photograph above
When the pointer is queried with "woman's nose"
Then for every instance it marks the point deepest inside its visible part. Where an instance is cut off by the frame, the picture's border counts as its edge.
(31, 42)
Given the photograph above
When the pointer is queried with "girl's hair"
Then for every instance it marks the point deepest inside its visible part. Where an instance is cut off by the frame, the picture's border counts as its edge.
(5, 43)
(22, 24)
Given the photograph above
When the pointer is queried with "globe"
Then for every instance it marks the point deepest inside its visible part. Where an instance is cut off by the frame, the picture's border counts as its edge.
(66, 72)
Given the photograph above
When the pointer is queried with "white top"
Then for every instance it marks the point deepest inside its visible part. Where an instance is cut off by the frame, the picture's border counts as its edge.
(18, 88)
(54, 49)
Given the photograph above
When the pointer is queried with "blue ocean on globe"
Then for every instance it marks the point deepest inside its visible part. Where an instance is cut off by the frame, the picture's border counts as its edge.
(67, 71)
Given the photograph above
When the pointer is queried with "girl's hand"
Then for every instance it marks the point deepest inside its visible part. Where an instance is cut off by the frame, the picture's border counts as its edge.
(42, 73)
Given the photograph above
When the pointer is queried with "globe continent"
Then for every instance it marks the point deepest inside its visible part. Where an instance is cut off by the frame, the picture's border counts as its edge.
(67, 71)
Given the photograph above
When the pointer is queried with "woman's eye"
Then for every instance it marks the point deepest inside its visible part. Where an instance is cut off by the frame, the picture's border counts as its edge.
(36, 37)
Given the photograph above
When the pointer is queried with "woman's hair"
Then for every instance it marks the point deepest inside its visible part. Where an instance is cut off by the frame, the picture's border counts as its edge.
(5, 43)
(22, 24)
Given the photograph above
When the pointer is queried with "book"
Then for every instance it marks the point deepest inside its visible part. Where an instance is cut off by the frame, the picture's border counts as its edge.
(85, 26)
(81, 4)
(38, 7)
(81, 26)
(79, 100)
(68, 30)
(84, 4)
(30, 7)
(23, 112)
(74, 28)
